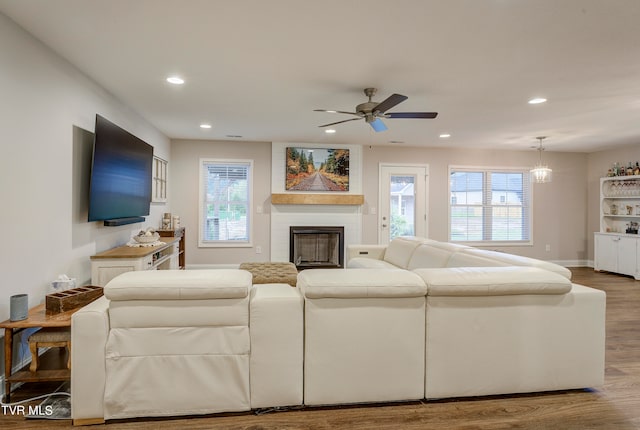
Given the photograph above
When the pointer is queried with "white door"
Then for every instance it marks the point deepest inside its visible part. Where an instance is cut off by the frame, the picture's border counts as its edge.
(402, 201)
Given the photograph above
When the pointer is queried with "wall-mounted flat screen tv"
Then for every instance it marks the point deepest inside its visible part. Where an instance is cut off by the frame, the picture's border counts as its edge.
(120, 190)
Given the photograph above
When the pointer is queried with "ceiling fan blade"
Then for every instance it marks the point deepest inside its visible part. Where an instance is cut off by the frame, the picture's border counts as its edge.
(426, 115)
(390, 102)
(339, 122)
(378, 125)
(334, 111)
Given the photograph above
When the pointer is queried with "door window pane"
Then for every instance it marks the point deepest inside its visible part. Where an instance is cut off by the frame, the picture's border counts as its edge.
(402, 200)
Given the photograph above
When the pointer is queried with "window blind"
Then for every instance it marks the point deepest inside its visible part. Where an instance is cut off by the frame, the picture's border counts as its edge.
(489, 205)
(225, 210)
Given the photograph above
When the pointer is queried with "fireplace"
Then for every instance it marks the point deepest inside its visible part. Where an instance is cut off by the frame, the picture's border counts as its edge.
(316, 247)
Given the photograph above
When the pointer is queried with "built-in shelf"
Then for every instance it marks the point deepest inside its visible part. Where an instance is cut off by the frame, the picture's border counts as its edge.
(317, 199)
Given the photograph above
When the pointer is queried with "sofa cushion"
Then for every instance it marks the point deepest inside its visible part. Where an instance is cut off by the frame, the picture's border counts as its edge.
(349, 283)
(400, 249)
(179, 285)
(519, 260)
(492, 281)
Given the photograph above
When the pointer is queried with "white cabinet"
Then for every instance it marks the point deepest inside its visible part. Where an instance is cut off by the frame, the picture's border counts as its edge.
(109, 264)
(617, 253)
(617, 245)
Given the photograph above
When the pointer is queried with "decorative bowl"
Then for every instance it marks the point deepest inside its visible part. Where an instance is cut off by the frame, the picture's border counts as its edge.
(147, 239)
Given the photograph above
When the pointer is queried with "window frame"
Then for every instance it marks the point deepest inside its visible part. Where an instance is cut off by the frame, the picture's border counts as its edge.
(203, 164)
(527, 209)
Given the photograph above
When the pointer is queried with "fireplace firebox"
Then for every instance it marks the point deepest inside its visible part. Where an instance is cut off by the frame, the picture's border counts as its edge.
(313, 247)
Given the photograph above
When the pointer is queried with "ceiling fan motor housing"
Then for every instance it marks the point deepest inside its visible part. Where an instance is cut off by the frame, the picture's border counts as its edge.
(366, 110)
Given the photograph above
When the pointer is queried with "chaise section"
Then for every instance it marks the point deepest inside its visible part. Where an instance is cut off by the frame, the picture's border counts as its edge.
(277, 345)
(179, 343)
(499, 330)
(364, 335)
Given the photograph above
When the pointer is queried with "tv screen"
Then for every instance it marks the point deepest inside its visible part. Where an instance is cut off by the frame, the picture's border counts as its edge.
(120, 175)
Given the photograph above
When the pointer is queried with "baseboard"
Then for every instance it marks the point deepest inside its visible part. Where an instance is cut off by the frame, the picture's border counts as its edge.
(573, 263)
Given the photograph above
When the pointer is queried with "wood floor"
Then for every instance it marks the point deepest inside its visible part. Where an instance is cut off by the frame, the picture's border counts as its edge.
(616, 405)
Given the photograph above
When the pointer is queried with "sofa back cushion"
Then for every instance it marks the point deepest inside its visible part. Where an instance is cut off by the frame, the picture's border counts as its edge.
(359, 283)
(493, 281)
(179, 285)
(400, 249)
(466, 259)
(432, 253)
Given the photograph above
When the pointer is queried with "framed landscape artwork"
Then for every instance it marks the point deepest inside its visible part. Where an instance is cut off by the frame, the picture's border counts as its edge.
(317, 169)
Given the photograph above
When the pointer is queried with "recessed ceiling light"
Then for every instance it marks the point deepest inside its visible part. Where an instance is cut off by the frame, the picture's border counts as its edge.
(176, 80)
(445, 136)
(205, 125)
(329, 131)
(537, 101)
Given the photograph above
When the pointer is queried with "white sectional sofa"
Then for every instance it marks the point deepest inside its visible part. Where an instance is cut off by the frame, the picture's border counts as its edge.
(416, 319)
(408, 252)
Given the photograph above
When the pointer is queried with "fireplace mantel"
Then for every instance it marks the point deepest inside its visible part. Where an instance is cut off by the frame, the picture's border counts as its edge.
(317, 199)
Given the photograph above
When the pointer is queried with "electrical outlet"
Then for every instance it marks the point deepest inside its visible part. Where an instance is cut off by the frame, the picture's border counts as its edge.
(258, 250)
(547, 248)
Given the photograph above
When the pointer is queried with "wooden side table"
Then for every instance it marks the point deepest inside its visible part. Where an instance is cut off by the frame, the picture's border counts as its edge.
(37, 317)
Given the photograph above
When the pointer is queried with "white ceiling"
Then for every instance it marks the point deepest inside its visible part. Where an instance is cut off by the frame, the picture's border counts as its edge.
(258, 68)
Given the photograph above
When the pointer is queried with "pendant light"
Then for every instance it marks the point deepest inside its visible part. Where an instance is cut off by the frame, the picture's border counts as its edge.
(540, 173)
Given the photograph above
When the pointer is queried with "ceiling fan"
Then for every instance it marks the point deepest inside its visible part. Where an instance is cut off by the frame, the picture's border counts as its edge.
(373, 112)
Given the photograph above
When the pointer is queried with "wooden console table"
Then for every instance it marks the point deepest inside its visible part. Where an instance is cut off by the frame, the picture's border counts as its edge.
(37, 317)
(108, 264)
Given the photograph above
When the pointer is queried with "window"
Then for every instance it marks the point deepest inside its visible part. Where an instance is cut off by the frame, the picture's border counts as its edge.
(225, 210)
(159, 192)
(489, 205)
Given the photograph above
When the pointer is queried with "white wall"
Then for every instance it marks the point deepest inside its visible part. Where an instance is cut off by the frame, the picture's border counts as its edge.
(184, 170)
(559, 216)
(47, 117)
(285, 216)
